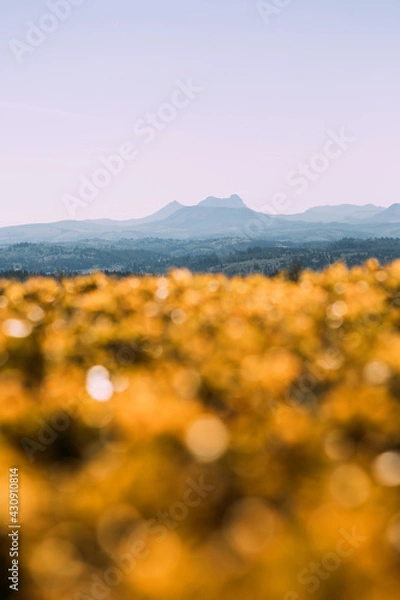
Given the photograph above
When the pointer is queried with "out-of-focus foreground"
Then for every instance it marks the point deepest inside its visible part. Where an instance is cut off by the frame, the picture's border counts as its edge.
(200, 437)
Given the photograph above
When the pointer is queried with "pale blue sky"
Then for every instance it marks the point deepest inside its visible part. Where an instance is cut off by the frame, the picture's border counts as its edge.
(270, 95)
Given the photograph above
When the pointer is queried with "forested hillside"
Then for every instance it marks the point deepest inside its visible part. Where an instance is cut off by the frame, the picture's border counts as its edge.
(152, 256)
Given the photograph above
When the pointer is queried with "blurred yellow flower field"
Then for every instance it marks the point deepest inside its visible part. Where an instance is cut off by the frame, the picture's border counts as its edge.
(194, 436)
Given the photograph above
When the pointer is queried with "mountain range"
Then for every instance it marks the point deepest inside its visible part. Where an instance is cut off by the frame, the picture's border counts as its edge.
(218, 218)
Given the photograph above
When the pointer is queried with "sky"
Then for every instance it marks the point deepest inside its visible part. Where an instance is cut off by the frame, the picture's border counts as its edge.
(114, 109)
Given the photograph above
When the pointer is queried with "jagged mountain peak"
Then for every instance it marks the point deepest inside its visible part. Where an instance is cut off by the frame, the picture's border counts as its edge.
(233, 201)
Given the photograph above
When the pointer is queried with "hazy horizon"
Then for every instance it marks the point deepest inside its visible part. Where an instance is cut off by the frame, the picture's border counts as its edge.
(152, 212)
(208, 98)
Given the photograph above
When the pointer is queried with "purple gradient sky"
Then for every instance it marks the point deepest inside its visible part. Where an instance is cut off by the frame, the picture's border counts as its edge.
(270, 95)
